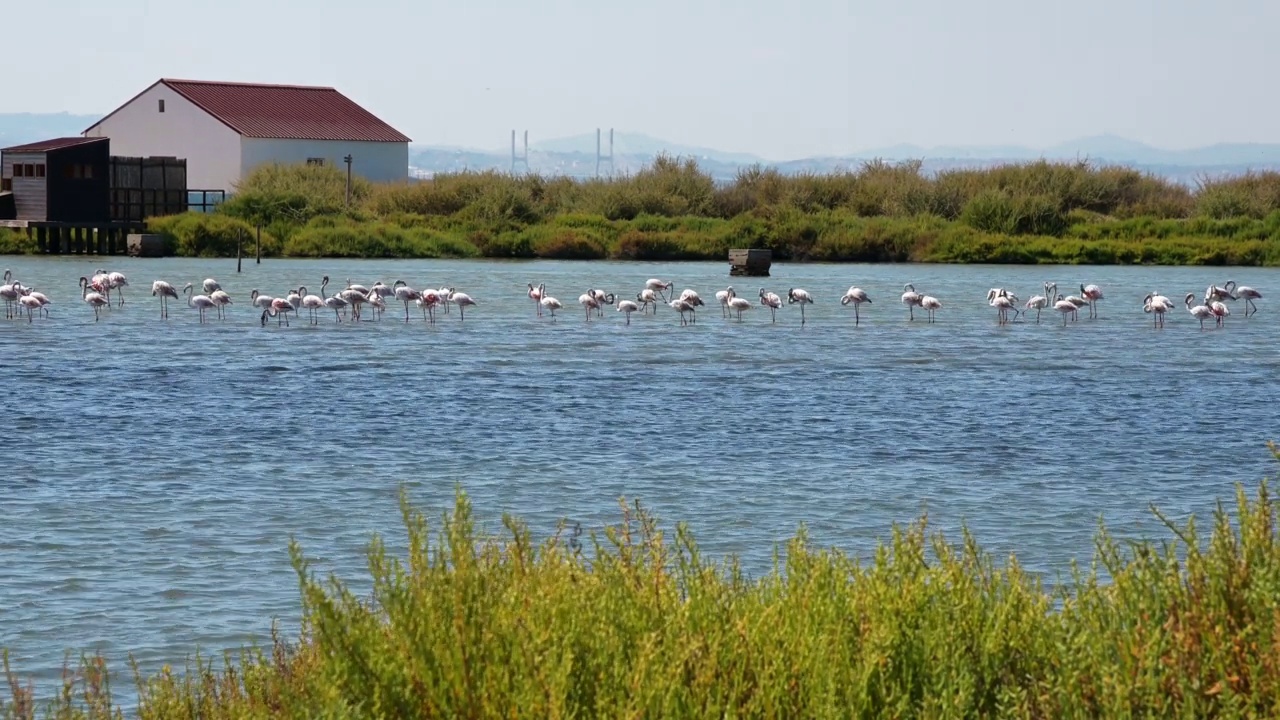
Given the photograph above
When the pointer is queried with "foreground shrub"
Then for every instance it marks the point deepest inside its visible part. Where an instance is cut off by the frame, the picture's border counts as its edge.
(637, 622)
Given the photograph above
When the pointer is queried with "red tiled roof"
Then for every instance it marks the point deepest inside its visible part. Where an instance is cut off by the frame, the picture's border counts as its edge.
(54, 144)
(289, 112)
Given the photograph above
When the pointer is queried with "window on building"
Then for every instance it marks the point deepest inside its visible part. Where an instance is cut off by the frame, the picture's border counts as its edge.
(39, 169)
(161, 104)
(88, 172)
(29, 170)
(6, 185)
(17, 170)
(315, 161)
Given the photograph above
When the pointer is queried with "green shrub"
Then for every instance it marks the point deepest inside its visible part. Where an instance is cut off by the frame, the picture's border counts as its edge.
(212, 235)
(16, 242)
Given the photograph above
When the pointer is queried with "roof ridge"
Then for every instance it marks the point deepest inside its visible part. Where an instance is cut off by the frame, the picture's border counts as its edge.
(235, 83)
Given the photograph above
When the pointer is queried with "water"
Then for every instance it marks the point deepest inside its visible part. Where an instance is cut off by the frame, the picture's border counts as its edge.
(154, 471)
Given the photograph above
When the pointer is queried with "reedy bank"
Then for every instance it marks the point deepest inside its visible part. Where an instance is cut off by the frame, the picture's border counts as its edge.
(1039, 212)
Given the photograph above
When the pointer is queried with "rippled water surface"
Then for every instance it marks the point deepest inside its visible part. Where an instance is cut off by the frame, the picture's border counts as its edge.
(154, 471)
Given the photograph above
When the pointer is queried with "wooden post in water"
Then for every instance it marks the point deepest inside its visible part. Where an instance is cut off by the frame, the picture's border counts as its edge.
(239, 247)
(259, 260)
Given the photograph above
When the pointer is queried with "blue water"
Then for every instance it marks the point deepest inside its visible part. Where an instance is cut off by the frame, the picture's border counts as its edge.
(155, 470)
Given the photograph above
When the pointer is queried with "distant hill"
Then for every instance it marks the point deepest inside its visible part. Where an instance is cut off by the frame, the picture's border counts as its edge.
(1108, 148)
(21, 128)
(575, 156)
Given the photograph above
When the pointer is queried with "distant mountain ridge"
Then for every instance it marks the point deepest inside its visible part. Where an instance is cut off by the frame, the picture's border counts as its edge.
(576, 155)
(21, 128)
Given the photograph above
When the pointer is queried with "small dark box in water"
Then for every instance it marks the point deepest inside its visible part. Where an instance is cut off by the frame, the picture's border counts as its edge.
(752, 262)
(145, 245)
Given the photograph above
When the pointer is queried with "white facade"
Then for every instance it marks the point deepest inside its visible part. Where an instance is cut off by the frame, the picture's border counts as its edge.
(161, 122)
(377, 161)
(183, 130)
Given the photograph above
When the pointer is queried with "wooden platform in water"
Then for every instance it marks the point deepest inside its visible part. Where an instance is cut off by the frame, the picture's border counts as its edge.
(78, 238)
(753, 262)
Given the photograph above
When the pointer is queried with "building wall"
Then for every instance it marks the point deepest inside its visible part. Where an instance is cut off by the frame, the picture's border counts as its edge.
(30, 194)
(376, 161)
(139, 129)
(80, 183)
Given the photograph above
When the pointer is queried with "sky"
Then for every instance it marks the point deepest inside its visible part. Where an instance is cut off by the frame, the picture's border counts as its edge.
(780, 79)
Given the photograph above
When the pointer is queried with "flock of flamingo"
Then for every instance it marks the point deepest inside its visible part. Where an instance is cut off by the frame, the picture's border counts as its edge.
(349, 303)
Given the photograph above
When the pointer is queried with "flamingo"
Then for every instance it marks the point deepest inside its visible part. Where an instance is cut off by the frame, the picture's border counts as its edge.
(911, 299)
(772, 301)
(1075, 300)
(589, 303)
(101, 281)
(1158, 305)
(199, 302)
(1064, 307)
(691, 296)
(404, 294)
(1001, 291)
(210, 285)
(294, 298)
(358, 288)
(682, 306)
(658, 285)
(446, 296)
(1039, 302)
(536, 294)
(312, 303)
(999, 298)
(10, 292)
(1246, 292)
(855, 296)
(628, 307)
(462, 300)
(602, 298)
(333, 302)
(646, 298)
(221, 299)
(378, 304)
(723, 297)
(430, 299)
(279, 308)
(1220, 311)
(796, 295)
(1093, 294)
(930, 303)
(39, 297)
(354, 297)
(117, 281)
(1213, 292)
(552, 305)
(94, 298)
(257, 299)
(30, 303)
(164, 291)
(739, 304)
(1199, 312)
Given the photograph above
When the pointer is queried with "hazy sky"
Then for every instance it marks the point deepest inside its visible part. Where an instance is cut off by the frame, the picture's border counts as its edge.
(781, 79)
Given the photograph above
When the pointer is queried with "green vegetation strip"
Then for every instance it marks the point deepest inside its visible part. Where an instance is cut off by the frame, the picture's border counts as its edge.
(1028, 213)
(637, 623)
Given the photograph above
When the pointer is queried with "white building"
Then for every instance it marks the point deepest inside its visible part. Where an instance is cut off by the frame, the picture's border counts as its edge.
(224, 130)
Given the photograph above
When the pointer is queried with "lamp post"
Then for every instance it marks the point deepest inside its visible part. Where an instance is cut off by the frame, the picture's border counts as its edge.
(347, 160)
